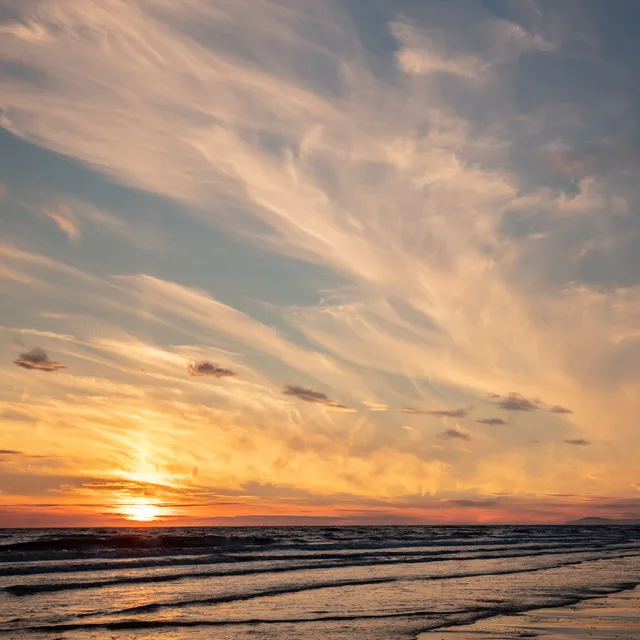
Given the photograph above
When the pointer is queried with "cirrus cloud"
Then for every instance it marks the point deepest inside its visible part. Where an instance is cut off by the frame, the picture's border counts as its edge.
(65, 219)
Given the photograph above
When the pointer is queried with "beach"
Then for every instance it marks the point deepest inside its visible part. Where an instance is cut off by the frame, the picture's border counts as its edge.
(319, 582)
(615, 616)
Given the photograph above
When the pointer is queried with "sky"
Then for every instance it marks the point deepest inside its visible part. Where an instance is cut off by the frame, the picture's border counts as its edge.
(319, 261)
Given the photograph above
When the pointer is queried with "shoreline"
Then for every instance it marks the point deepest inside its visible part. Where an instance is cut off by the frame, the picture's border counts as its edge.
(615, 615)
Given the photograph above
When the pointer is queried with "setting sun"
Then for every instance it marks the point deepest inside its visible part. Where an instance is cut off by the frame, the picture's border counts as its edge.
(141, 512)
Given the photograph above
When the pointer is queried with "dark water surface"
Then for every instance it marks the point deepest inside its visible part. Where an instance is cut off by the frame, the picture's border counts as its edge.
(304, 583)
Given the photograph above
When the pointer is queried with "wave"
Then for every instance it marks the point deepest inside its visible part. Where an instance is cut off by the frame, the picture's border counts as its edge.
(333, 585)
(226, 556)
(446, 619)
(311, 539)
(33, 589)
(132, 541)
(292, 589)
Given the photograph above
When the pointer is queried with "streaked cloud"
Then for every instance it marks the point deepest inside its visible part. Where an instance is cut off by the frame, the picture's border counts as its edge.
(15, 415)
(492, 421)
(578, 441)
(64, 218)
(30, 457)
(375, 406)
(473, 503)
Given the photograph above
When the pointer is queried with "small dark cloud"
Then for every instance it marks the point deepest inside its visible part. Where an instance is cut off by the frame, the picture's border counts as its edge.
(558, 409)
(452, 413)
(517, 402)
(578, 441)
(473, 503)
(10, 452)
(37, 359)
(494, 422)
(317, 397)
(308, 395)
(447, 413)
(453, 434)
(206, 368)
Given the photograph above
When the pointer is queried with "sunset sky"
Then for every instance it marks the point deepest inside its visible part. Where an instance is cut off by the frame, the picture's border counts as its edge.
(319, 261)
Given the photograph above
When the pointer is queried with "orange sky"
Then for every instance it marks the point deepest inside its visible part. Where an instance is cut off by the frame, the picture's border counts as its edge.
(315, 266)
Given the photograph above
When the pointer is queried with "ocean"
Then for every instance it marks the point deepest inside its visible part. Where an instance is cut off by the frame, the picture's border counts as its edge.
(298, 582)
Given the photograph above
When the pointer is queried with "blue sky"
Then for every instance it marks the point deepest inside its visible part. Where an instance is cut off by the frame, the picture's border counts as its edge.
(407, 231)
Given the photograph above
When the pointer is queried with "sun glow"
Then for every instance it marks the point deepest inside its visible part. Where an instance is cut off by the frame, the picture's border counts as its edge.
(142, 512)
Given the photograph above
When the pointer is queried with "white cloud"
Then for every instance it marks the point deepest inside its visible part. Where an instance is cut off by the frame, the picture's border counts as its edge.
(64, 218)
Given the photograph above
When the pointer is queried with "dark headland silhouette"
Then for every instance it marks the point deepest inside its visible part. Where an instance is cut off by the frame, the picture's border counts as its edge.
(594, 522)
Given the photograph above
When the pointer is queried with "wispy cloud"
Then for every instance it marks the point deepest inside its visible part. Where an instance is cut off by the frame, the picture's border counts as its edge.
(15, 416)
(22, 454)
(64, 218)
(492, 421)
(578, 441)
(473, 503)
(375, 406)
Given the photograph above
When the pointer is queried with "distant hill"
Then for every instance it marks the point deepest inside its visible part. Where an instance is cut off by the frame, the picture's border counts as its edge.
(594, 522)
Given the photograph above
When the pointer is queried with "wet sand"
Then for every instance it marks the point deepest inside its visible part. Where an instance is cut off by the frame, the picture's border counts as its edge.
(616, 616)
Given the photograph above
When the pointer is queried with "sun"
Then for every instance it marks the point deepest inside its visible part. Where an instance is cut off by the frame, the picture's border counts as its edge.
(141, 512)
